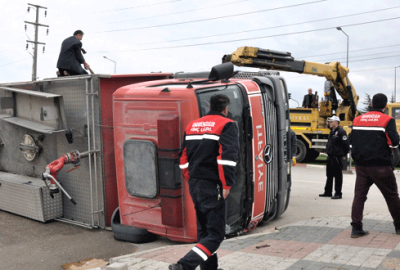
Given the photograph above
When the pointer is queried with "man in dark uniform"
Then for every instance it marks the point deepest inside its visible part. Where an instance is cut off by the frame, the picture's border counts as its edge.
(337, 149)
(70, 58)
(308, 99)
(374, 134)
(208, 159)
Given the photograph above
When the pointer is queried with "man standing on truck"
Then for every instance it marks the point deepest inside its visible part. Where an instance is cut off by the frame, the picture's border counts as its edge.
(374, 134)
(70, 58)
(308, 99)
(337, 149)
(208, 157)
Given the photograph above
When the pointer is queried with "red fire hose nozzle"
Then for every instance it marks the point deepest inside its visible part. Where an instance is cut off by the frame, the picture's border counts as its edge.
(55, 166)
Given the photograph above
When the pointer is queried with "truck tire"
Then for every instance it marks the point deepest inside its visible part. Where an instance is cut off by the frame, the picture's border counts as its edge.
(129, 233)
(311, 155)
(396, 157)
(301, 151)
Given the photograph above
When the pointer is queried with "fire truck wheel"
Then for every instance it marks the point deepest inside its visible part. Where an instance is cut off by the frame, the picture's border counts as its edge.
(301, 151)
(129, 233)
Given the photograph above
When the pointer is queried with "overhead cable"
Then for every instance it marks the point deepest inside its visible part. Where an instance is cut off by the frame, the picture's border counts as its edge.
(253, 38)
(210, 19)
(179, 12)
(119, 9)
(269, 28)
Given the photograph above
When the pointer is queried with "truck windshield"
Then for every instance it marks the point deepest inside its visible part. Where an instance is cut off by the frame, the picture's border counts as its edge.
(396, 113)
(236, 211)
(235, 97)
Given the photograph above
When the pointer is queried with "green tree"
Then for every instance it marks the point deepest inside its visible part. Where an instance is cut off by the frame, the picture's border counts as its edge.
(392, 99)
(367, 102)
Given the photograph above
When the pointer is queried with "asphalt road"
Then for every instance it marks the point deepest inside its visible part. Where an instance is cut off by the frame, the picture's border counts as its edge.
(28, 244)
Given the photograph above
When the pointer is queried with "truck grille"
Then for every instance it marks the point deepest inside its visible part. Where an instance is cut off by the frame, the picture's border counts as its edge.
(271, 139)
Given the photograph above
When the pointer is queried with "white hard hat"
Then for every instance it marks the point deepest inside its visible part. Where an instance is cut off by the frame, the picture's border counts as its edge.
(334, 118)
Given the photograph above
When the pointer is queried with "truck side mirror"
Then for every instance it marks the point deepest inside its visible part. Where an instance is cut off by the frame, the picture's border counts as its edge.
(222, 71)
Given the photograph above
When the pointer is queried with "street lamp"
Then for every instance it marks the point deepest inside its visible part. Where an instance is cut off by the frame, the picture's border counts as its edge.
(395, 83)
(340, 29)
(115, 64)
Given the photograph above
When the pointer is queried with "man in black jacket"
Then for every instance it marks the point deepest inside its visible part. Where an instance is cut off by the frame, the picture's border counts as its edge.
(337, 149)
(308, 99)
(208, 159)
(374, 134)
(70, 58)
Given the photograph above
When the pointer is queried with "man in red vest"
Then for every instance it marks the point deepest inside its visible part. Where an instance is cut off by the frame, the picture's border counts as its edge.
(374, 134)
(208, 157)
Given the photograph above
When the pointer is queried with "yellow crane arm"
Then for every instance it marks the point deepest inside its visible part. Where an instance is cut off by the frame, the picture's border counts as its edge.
(283, 61)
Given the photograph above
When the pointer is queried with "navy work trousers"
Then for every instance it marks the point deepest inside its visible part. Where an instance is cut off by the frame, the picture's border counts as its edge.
(210, 213)
(334, 170)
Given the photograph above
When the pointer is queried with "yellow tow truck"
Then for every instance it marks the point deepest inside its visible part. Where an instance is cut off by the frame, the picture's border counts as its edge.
(310, 125)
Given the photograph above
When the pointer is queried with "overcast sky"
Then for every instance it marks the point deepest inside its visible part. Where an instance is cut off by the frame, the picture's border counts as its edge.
(193, 35)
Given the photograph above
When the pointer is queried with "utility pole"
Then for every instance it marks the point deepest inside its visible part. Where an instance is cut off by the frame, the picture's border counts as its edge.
(36, 24)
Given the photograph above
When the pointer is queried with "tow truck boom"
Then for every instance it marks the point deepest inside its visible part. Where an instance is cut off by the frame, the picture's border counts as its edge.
(284, 61)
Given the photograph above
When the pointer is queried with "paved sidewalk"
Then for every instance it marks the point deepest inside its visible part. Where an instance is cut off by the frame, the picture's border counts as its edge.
(319, 243)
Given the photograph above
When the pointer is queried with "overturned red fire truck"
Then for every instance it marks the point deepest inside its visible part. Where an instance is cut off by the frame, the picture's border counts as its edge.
(149, 119)
(124, 132)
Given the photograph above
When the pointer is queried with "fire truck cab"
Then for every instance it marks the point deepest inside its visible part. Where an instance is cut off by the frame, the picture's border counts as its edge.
(149, 120)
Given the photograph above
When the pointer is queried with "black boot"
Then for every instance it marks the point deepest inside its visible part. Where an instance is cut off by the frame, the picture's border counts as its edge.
(176, 266)
(358, 232)
(210, 264)
(397, 230)
(325, 195)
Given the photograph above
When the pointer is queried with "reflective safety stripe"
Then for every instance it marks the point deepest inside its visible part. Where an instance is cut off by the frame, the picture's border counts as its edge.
(370, 128)
(200, 253)
(184, 166)
(200, 137)
(393, 146)
(226, 162)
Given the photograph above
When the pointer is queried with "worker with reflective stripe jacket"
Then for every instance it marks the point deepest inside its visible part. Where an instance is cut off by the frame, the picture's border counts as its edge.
(374, 134)
(208, 159)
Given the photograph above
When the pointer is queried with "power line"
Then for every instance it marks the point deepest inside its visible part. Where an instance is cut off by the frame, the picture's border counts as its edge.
(351, 71)
(357, 56)
(214, 18)
(383, 57)
(372, 69)
(273, 27)
(14, 62)
(180, 12)
(159, 3)
(380, 47)
(252, 38)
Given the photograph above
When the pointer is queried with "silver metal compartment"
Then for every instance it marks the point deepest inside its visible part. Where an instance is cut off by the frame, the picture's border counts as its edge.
(28, 197)
(80, 109)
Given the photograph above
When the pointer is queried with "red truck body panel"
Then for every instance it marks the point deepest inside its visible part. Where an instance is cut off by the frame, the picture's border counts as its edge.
(107, 88)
